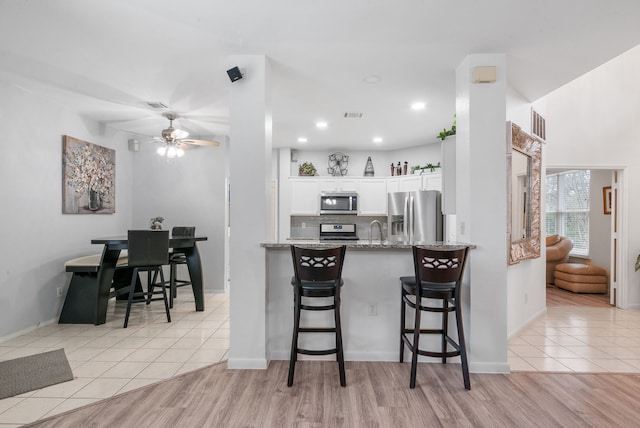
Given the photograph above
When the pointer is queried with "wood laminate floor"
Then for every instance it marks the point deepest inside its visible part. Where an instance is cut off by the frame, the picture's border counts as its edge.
(377, 395)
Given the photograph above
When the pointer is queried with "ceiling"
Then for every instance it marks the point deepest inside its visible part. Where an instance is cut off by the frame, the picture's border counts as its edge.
(107, 58)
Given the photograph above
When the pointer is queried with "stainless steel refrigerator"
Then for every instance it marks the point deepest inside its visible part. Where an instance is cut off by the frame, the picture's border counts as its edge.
(415, 217)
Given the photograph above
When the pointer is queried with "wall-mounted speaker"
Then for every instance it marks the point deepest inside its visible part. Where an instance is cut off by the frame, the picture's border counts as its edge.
(134, 145)
(234, 74)
(484, 74)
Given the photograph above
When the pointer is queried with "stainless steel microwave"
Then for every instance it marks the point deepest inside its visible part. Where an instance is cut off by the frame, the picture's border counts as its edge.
(339, 203)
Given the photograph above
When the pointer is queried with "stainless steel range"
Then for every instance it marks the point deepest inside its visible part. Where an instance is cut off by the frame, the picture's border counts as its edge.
(338, 232)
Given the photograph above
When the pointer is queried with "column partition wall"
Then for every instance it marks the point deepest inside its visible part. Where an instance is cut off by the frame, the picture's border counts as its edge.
(250, 190)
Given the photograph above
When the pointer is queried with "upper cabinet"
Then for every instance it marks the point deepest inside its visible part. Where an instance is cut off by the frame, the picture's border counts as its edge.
(409, 183)
(432, 181)
(338, 184)
(372, 196)
(304, 194)
(372, 191)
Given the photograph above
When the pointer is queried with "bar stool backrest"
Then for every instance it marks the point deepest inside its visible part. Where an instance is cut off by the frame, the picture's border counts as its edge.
(323, 264)
(148, 247)
(184, 231)
(439, 266)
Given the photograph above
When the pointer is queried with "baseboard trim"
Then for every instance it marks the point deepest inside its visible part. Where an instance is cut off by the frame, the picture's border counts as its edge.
(490, 368)
(247, 363)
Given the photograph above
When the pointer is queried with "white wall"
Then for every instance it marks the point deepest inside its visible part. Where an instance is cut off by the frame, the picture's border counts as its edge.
(37, 237)
(526, 286)
(593, 122)
(189, 191)
(599, 223)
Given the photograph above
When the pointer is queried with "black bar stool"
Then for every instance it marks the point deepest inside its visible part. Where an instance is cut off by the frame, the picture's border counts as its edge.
(148, 251)
(439, 273)
(176, 258)
(317, 273)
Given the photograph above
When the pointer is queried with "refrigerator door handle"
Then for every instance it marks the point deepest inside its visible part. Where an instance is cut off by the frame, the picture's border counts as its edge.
(410, 226)
(405, 223)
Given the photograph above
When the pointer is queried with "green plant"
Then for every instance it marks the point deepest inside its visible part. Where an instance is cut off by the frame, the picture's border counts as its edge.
(427, 166)
(445, 133)
(307, 168)
(157, 220)
(638, 263)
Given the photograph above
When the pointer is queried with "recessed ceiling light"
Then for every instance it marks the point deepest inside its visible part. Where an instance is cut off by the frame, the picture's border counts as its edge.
(321, 124)
(418, 106)
(302, 139)
(377, 140)
(372, 79)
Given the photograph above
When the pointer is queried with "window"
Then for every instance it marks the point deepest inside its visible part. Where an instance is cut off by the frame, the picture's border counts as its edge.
(567, 208)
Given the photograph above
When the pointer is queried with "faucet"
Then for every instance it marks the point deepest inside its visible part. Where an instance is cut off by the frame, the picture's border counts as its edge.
(371, 230)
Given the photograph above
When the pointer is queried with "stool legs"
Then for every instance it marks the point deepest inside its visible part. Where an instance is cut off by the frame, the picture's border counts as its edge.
(463, 348)
(146, 297)
(414, 345)
(339, 351)
(294, 341)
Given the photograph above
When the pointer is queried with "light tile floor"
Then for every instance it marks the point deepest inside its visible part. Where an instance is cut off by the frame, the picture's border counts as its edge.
(107, 359)
(579, 339)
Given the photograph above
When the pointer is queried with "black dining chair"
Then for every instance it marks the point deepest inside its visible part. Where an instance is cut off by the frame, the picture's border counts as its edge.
(317, 273)
(438, 275)
(177, 258)
(148, 252)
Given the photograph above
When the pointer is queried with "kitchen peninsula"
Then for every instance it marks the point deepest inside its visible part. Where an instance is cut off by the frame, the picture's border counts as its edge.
(370, 298)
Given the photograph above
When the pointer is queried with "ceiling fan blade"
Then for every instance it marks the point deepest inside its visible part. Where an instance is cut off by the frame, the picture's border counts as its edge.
(179, 134)
(208, 143)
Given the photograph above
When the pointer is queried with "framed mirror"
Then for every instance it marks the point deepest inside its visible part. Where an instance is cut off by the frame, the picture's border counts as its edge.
(524, 168)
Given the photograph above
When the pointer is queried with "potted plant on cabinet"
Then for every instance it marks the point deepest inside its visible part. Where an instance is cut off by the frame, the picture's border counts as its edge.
(307, 168)
(448, 132)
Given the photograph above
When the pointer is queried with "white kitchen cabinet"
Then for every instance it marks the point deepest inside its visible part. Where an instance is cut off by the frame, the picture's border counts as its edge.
(305, 199)
(432, 181)
(409, 183)
(372, 196)
(338, 184)
(393, 185)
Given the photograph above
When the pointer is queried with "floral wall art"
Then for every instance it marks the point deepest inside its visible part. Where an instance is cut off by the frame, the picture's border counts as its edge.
(88, 184)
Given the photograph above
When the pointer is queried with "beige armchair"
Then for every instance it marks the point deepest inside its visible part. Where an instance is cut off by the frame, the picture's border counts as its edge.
(558, 248)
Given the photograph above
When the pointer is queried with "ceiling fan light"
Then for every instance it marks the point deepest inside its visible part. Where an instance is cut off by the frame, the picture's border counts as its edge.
(172, 152)
(180, 152)
(162, 150)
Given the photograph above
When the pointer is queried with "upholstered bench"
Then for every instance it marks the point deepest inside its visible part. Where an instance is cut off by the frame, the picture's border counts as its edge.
(581, 278)
(92, 263)
(82, 293)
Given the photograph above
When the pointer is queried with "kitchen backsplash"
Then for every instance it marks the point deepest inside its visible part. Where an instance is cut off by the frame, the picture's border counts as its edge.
(308, 227)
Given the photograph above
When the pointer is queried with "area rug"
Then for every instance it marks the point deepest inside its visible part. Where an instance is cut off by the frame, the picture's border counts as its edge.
(33, 372)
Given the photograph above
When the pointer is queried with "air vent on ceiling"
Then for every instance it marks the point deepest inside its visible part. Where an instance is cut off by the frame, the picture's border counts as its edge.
(156, 104)
(353, 115)
(538, 125)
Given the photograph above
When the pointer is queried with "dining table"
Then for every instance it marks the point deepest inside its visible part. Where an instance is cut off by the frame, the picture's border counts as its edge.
(109, 276)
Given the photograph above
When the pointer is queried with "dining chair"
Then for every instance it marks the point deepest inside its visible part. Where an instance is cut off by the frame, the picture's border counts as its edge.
(177, 258)
(438, 275)
(148, 252)
(317, 274)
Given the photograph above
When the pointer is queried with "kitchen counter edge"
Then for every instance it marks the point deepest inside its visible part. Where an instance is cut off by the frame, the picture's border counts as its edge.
(316, 243)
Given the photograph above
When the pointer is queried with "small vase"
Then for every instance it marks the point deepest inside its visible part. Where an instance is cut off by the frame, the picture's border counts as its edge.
(368, 169)
(94, 200)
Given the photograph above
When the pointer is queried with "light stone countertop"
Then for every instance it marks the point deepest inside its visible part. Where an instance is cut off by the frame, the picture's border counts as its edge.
(365, 244)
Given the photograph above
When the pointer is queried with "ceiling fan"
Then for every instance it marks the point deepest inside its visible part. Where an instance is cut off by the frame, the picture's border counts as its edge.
(176, 141)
